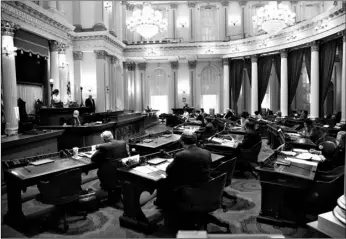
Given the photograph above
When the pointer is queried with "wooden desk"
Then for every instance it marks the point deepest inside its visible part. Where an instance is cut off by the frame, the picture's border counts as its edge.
(129, 125)
(284, 193)
(168, 142)
(51, 116)
(235, 130)
(180, 111)
(136, 182)
(173, 120)
(302, 143)
(20, 178)
(81, 136)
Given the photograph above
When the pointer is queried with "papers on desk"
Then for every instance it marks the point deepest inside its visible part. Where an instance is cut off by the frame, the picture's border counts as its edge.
(87, 154)
(326, 126)
(145, 169)
(288, 153)
(295, 160)
(217, 140)
(301, 150)
(147, 140)
(163, 166)
(305, 156)
(98, 122)
(170, 160)
(318, 158)
(132, 159)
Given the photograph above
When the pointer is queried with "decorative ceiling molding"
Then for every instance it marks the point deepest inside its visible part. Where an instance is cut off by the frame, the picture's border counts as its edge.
(34, 18)
(294, 36)
(101, 40)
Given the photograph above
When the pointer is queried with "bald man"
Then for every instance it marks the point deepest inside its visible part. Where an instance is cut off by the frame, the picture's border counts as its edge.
(110, 150)
(76, 120)
(189, 167)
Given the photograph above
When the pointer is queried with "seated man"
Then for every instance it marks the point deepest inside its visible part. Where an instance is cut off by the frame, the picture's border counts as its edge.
(251, 137)
(190, 167)
(244, 119)
(186, 115)
(76, 120)
(199, 117)
(109, 150)
(209, 129)
(310, 131)
(258, 115)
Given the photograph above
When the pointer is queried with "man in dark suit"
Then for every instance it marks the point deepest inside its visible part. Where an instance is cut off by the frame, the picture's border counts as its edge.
(76, 120)
(251, 137)
(90, 103)
(110, 150)
(190, 167)
(200, 118)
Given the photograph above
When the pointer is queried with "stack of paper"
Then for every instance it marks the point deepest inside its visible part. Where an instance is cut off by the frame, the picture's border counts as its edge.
(305, 156)
(288, 153)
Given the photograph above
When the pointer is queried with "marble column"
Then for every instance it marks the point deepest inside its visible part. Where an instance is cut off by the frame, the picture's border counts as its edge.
(175, 67)
(54, 47)
(226, 91)
(192, 79)
(143, 76)
(173, 9)
(126, 83)
(224, 22)
(76, 17)
(284, 84)
(99, 17)
(343, 82)
(8, 65)
(315, 87)
(192, 9)
(131, 67)
(63, 73)
(100, 99)
(113, 83)
(254, 85)
(77, 61)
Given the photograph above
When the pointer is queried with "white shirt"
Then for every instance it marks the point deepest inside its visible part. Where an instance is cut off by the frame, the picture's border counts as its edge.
(56, 98)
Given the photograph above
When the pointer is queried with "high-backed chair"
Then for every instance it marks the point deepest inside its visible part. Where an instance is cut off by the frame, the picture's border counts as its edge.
(62, 190)
(196, 204)
(249, 157)
(227, 167)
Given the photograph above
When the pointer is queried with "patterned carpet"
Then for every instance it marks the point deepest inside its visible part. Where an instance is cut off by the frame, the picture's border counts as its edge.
(104, 223)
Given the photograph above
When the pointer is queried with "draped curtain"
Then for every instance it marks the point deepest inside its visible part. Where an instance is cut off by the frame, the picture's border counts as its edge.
(340, 48)
(277, 64)
(326, 61)
(307, 56)
(247, 65)
(236, 70)
(264, 69)
(295, 63)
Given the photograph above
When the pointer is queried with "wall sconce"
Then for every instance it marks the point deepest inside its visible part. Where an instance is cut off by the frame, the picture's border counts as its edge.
(108, 5)
(63, 64)
(182, 24)
(81, 95)
(107, 89)
(321, 25)
(9, 50)
(209, 51)
(233, 22)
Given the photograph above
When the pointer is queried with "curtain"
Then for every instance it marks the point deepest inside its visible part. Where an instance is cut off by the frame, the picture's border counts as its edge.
(236, 70)
(340, 48)
(307, 56)
(277, 64)
(247, 65)
(295, 63)
(264, 69)
(326, 61)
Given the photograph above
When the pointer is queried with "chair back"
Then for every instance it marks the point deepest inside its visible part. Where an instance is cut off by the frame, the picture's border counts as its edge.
(61, 188)
(108, 174)
(204, 199)
(251, 155)
(225, 167)
(281, 136)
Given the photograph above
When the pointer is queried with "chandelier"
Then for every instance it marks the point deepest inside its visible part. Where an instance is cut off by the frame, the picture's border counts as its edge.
(147, 22)
(273, 17)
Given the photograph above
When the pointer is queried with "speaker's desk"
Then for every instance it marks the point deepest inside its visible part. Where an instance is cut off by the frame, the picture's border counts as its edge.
(51, 116)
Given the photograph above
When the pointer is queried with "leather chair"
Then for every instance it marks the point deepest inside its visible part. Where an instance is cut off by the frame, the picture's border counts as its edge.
(62, 191)
(228, 168)
(249, 158)
(196, 204)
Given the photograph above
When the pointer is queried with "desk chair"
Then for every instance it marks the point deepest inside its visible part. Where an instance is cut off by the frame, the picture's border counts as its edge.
(196, 204)
(249, 157)
(62, 190)
(228, 168)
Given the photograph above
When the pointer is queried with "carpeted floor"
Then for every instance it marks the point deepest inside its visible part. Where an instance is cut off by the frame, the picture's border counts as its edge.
(104, 223)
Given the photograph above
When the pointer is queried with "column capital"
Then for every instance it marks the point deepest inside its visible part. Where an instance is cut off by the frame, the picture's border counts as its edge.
(242, 3)
(225, 3)
(191, 4)
(174, 65)
(101, 54)
(77, 55)
(8, 28)
(254, 58)
(174, 5)
(114, 60)
(56, 46)
(283, 53)
(124, 65)
(225, 62)
(142, 66)
(131, 66)
(314, 46)
(192, 64)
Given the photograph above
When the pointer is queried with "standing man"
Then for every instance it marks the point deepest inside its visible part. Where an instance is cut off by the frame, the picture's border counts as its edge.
(90, 103)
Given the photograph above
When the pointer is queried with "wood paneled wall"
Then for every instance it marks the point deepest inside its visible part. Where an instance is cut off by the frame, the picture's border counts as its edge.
(30, 93)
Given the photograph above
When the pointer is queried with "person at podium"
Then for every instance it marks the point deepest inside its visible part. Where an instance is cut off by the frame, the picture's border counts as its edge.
(90, 103)
(76, 120)
(190, 167)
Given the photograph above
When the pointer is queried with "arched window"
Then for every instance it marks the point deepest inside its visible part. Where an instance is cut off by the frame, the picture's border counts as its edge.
(158, 85)
(210, 88)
